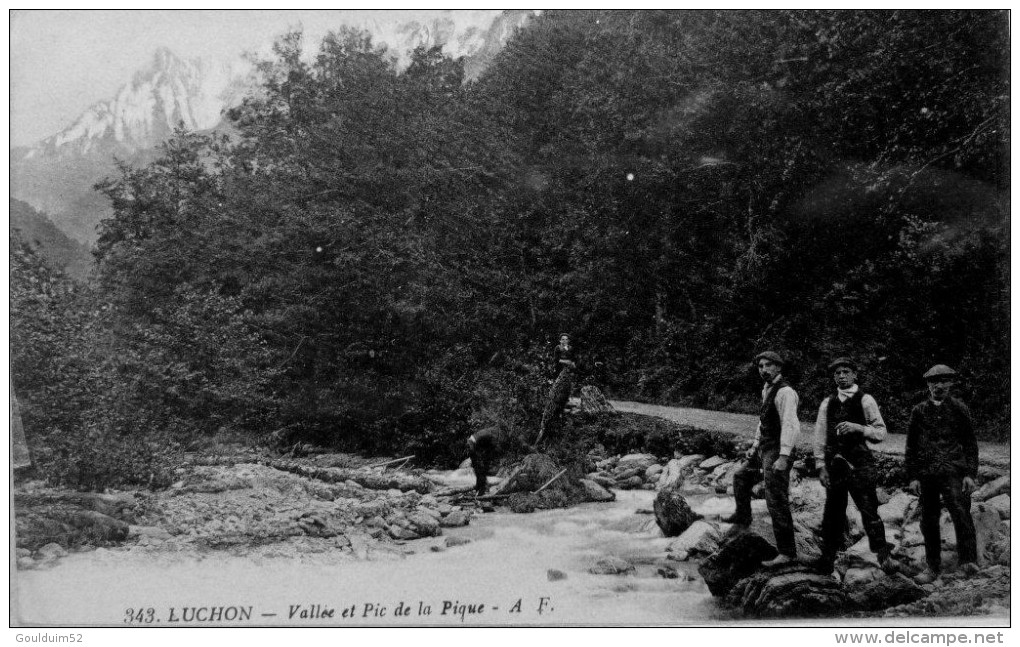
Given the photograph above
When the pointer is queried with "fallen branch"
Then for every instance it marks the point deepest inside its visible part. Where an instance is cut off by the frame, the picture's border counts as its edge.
(390, 462)
(550, 481)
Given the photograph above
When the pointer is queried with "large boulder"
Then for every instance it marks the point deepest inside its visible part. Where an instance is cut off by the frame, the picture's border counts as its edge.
(702, 538)
(898, 509)
(689, 461)
(740, 554)
(999, 503)
(791, 591)
(883, 592)
(710, 464)
(989, 529)
(593, 401)
(672, 513)
(425, 525)
(991, 489)
(640, 462)
(595, 492)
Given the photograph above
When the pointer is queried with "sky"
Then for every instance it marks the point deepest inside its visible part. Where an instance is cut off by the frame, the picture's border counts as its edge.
(63, 61)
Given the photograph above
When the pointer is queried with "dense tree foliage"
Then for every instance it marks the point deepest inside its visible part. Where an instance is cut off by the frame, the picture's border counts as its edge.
(376, 257)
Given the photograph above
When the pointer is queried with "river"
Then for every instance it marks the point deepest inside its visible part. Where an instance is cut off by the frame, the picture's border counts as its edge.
(500, 578)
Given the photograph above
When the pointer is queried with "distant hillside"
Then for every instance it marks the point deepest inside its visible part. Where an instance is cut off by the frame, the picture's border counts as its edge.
(51, 244)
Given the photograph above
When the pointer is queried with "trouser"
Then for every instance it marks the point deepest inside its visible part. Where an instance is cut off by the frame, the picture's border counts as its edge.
(947, 490)
(861, 487)
(480, 464)
(777, 495)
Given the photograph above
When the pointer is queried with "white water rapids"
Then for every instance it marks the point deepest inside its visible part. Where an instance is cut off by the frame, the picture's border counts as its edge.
(500, 578)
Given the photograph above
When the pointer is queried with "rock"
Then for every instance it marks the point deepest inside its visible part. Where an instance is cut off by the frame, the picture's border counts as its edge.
(667, 572)
(456, 541)
(554, 575)
(534, 471)
(991, 489)
(740, 553)
(610, 565)
(604, 481)
(856, 577)
(399, 532)
(25, 563)
(884, 592)
(432, 512)
(672, 513)
(896, 511)
(758, 490)
(23, 552)
(689, 461)
(50, 552)
(670, 474)
(792, 591)
(595, 492)
(999, 503)
(437, 549)
(702, 538)
(455, 519)
(632, 483)
(882, 495)
(424, 525)
(149, 532)
(637, 461)
(626, 474)
(653, 471)
(710, 464)
(989, 529)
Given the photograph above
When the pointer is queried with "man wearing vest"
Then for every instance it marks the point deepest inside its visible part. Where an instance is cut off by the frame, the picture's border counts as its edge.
(847, 421)
(774, 440)
(942, 463)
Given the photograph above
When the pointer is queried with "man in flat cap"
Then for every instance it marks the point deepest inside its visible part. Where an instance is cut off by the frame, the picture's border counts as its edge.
(847, 421)
(774, 440)
(942, 463)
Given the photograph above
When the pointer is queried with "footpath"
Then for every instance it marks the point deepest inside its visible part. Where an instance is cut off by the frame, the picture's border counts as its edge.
(992, 454)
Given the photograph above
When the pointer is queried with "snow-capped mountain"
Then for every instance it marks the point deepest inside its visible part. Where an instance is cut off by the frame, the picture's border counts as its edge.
(57, 174)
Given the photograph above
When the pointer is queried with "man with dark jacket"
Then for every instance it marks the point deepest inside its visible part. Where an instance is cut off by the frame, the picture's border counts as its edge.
(942, 463)
(847, 421)
(481, 448)
(774, 441)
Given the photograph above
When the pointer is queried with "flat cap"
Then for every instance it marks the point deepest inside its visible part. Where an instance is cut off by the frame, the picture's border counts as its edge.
(939, 370)
(842, 361)
(770, 355)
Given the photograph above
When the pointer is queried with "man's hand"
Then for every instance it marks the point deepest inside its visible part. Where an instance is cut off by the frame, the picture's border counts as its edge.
(969, 485)
(914, 487)
(749, 454)
(846, 428)
(782, 464)
(823, 477)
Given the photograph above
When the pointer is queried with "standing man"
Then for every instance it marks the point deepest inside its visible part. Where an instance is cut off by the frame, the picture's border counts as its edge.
(847, 421)
(481, 448)
(774, 440)
(563, 367)
(942, 463)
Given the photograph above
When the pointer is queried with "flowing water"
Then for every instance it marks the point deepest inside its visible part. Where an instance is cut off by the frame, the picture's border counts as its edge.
(500, 578)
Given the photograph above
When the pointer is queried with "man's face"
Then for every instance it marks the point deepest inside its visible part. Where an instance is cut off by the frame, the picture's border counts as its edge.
(768, 370)
(939, 387)
(845, 377)
(564, 340)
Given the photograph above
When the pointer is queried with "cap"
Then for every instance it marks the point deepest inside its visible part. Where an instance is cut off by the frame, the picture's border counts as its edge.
(772, 356)
(842, 361)
(939, 370)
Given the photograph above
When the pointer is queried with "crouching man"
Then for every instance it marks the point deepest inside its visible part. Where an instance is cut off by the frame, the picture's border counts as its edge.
(942, 463)
(481, 449)
(774, 440)
(847, 421)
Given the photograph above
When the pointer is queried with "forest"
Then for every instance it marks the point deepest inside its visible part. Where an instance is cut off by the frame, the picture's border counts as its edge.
(379, 258)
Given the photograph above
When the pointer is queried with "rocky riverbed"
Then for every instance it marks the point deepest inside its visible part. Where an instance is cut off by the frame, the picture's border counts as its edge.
(652, 549)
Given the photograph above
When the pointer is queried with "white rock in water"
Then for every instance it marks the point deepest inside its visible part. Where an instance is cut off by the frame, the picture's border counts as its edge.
(454, 519)
(50, 551)
(711, 463)
(638, 461)
(992, 489)
(690, 460)
(700, 538)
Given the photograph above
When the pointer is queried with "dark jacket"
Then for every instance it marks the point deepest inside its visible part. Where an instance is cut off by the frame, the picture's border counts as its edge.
(941, 441)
